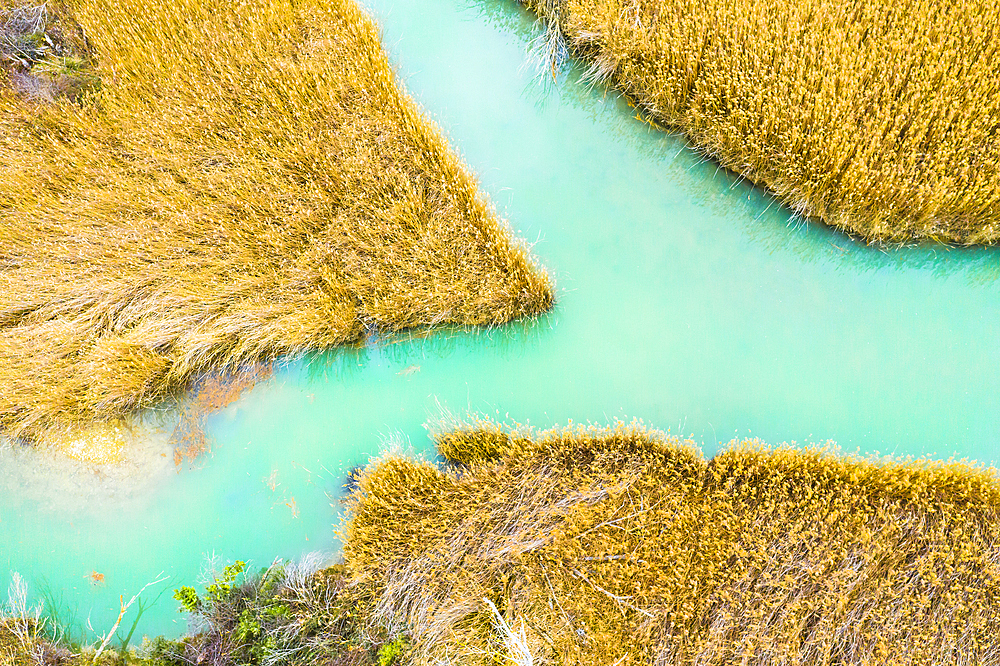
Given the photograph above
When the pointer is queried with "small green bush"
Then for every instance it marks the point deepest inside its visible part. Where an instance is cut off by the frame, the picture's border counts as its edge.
(273, 616)
(390, 652)
(190, 602)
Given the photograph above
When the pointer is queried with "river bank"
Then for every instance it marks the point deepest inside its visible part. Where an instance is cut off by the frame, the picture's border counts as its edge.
(625, 545)
(240, 187)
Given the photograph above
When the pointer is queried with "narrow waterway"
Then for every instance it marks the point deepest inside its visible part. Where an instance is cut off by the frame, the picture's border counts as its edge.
(686, 299)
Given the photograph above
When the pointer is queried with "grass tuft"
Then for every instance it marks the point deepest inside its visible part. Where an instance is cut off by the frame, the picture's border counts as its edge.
(44, 55)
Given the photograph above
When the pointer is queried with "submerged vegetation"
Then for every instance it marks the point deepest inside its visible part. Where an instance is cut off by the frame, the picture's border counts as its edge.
(880, 118)
(246, 182)
(287, 613)
(623, 546)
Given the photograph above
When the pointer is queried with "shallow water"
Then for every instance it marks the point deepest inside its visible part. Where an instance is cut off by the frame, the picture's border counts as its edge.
(686, 299)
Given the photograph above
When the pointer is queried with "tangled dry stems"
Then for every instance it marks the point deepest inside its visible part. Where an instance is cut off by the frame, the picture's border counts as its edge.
(879, 118)
(44, 55)
(248, 182)
(623, 546)
(17, 25)
(289, 614)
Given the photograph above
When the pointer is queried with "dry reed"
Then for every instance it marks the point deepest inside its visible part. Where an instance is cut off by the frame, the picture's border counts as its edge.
(624, 546)
(879, 118)
(247, 182)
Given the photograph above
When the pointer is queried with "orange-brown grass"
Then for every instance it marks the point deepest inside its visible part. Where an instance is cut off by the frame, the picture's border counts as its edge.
(879, 117)
(248, 181)
(625, 546)
(209, 394)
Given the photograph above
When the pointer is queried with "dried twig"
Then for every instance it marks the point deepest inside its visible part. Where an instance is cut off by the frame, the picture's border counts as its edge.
(125, 606)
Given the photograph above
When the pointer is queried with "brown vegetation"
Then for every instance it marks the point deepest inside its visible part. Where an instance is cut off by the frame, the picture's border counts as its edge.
(207, 395)
(624, 546)
(616, 546)
(247, 182)
(880, 118)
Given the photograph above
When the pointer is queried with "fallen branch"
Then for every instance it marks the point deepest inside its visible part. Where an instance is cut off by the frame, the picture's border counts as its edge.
(125, 606)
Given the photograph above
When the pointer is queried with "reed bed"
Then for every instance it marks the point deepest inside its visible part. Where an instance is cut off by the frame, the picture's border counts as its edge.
(246, 182)
(879, 118)
(625, 546)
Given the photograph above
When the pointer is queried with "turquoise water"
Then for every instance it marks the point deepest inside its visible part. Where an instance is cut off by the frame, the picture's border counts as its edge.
(686, 298)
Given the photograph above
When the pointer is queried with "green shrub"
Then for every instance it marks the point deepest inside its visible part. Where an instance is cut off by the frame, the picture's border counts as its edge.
(390, 652)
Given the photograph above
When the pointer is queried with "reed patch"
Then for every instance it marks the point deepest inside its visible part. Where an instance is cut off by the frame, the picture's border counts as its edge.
(625, 546)
(879, 118)
(604, 546)
(247, 182)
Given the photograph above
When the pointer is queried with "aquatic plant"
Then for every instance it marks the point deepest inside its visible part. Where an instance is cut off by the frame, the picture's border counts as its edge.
(205, 396)
(20, 626)
(24, 639)
(141, 607)
(106, 637)
(294, 613)
(248, 182)
(877, 117)
(625, 546)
